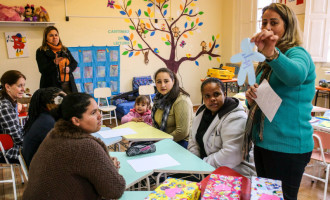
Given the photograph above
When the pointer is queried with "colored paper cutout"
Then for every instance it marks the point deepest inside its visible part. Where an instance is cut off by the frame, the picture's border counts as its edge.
(246, 57)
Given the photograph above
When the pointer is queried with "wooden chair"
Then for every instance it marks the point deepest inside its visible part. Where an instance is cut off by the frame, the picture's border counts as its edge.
(104, 93)
(322, 160)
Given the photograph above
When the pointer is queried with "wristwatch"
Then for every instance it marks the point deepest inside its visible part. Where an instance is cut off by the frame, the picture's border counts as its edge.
(274, 56)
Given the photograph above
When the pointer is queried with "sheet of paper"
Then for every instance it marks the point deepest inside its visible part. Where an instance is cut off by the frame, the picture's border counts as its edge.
(268, 100)
(116, 132)
(152, 162)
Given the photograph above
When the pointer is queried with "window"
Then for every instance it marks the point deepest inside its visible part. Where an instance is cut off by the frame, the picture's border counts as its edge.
(260, 5)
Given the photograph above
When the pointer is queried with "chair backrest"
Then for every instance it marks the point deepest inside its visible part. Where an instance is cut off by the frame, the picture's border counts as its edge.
(146, 90)
(102, 92)
(7, 141)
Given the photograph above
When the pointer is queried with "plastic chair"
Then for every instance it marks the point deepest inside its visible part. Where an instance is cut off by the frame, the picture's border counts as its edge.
(6, 143)
(104, 93)
(147, 90)
(322, 160)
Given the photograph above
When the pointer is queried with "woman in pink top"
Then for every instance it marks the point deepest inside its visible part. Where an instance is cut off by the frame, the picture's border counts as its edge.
(140, 112)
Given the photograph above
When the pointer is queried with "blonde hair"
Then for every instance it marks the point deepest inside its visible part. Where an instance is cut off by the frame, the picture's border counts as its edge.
(292, 35)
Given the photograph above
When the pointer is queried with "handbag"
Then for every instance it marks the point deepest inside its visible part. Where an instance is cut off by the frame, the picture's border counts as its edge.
(141, 148)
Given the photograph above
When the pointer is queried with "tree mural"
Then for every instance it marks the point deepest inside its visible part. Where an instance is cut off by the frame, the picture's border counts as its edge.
(168, 32)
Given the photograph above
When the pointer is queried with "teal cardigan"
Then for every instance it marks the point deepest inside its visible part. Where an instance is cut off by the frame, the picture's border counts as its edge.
(293, 79)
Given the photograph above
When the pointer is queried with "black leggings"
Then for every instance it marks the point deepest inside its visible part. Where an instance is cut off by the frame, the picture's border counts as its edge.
(287, 167)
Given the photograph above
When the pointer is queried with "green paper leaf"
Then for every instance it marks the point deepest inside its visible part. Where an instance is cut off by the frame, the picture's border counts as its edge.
(129, 3)
(140, 46)
(186, 10)
(145, 31)
(125, 53)
(210, 58)
(132, 28)
(192, 24)
(146, 13)
(167, 43)
(213, 38)
(201, 12)
(165, 6)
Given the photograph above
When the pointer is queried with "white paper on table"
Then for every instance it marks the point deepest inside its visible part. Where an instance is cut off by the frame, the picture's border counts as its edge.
(116, 132)
(268, 100)
(152, 162)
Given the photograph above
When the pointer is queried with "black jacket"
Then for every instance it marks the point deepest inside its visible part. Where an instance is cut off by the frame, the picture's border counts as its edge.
(35, 135)
(49, 70)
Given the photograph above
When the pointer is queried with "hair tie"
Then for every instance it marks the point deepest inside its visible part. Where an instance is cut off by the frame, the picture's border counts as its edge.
(58, 100)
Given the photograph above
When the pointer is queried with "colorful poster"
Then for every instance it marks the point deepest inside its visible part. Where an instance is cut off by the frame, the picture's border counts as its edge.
(76, 73)
(113, 55)
(75, 55)
(17, 44)
(78, 87)
(87, 56)
(101, 84)
(114, 86)
(100, 56)
(113, 70)
(101, 71)
(89, 88)
(298, 6)
(88, 72)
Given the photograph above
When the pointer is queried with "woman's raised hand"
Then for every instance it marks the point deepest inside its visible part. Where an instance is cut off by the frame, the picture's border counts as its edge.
(265, 41)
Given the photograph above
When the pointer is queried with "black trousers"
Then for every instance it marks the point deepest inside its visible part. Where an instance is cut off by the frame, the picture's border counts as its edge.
(287, 167)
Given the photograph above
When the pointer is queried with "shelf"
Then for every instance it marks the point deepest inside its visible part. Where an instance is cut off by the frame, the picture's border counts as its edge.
(22, 23)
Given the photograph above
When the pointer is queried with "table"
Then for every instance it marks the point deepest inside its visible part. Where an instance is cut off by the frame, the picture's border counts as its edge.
(144, 132)
(136, 195)
(318, 89)
(130, 175)
(189, 163)
(107, 141)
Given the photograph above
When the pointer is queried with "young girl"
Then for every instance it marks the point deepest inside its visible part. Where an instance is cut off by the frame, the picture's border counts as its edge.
(140, 112)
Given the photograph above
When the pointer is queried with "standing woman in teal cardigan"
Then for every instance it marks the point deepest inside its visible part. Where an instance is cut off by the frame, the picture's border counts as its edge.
(282, 147)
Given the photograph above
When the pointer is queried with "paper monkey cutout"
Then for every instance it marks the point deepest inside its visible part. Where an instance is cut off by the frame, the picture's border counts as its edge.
(146, 59)
(247, 57)
(142, 29)
(176, 31)
(203, 44)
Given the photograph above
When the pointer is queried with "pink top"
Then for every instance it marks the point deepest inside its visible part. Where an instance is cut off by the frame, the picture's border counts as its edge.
(133, 114)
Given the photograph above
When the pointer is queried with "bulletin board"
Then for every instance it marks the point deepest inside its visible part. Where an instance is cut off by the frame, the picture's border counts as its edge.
(98, 66)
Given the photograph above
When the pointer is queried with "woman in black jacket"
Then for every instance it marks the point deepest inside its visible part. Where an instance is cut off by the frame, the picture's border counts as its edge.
(55, 62)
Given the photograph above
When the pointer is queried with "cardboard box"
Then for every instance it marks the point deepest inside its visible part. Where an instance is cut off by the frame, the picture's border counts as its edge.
(173, 188)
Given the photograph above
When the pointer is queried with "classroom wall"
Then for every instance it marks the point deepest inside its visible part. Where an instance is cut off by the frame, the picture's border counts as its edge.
(218, 18)
(94, 31)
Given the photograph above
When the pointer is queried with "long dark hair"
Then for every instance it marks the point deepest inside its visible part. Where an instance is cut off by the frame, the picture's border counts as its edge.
(175, 91)
(44, 45)
(73, 105)
(39, 102)
(9, 77)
